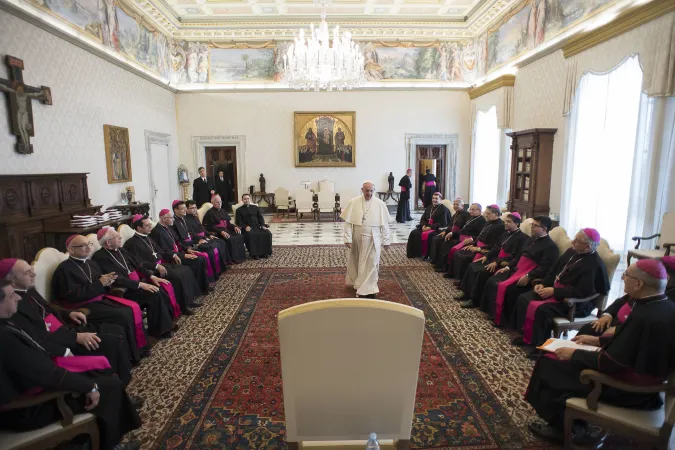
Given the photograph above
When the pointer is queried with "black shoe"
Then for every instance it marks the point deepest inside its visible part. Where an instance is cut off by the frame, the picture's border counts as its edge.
(518, 341)
(196, 304)
(146, 352)
(373, 296)
(137, 401)
(256, 257)
(426, 258)
(462, 297)
(265, 256)
(188, 311)
(534, 355)
(468, 305)
(456, 283)
(546, 431)
(167, 335)
(439, 270)
(447, 275)
(131, 445)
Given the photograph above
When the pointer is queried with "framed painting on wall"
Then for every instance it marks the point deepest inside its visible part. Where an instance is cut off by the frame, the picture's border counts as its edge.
(324, 139)
(117, 153)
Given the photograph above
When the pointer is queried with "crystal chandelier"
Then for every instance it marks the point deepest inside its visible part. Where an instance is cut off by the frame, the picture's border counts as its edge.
(313, 62)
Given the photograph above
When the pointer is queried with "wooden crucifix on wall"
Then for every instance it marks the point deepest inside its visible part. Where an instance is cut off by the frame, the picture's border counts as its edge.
(19, 97)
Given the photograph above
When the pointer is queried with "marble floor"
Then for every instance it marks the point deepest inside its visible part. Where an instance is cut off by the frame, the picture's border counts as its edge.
(327, 232)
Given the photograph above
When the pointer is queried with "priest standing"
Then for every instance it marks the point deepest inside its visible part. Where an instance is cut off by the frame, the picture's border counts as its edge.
(254, 229)
(403, 209)
(366, 229)
(202, 188)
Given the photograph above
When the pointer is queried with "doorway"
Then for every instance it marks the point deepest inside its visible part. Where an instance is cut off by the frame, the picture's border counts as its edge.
(223, 159)
(159, 168)
(430, 157)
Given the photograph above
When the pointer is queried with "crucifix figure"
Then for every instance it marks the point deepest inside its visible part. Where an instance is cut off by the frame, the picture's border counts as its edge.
(20, 109)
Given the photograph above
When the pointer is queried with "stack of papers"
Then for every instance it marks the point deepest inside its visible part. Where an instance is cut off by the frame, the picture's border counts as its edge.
(113, 213)
(553, 344)
(101, 217)
(82, 221)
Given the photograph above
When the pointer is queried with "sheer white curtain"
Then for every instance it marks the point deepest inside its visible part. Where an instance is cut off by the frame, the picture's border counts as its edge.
(485, 161)
(601, 157)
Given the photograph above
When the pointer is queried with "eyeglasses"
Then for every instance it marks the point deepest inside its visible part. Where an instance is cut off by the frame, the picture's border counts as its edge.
(534, 225)
(625, 275)
(88, 244)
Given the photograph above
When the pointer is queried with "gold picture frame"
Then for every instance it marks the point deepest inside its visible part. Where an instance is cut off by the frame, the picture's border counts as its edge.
(324, 139)
(117, 154)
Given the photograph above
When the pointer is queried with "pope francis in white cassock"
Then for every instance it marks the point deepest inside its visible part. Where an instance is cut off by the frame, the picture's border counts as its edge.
(366, 229)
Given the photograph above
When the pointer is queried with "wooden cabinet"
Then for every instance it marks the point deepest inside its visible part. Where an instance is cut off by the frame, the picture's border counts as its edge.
(28, 202)
(531, 160)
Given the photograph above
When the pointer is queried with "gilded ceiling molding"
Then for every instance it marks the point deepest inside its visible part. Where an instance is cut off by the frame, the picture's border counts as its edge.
(408, 44)
(626, 21)
(244, 45)
(138, 17)
(503, 81)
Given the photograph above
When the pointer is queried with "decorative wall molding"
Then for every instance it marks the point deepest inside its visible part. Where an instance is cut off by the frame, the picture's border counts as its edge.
(199, 144)
(624, 22)
(451, 142)
(503, 81)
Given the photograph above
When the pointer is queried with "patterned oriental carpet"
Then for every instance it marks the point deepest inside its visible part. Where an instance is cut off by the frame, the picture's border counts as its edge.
(217, 384)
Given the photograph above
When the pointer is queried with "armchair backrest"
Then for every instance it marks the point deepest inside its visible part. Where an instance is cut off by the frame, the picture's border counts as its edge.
(448, 204)
(303, 199)
(126, 232)
(203, 209)
(526, 226)
(609, 257)
(667, 230)
(94, 240)
(561, 239)
(327, 184)
(326, 200)
(349, 366)
(45, 263)
(234, 211)
(281, 197)
(669, 405)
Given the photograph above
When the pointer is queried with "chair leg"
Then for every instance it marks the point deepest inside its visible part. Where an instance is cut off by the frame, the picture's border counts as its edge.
(293, 446)
(567, 430)
(557, 332)
(403, 444)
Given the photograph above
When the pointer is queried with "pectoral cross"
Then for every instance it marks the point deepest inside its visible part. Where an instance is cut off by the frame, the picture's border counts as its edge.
(19, 99)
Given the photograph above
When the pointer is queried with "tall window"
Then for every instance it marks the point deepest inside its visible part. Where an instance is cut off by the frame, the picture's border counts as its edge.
(485, 174)
(601, 154)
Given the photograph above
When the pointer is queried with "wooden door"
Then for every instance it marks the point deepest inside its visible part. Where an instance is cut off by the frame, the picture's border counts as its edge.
(225, 159)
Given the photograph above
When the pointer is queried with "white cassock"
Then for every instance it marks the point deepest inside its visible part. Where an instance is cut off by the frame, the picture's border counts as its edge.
(367, 229)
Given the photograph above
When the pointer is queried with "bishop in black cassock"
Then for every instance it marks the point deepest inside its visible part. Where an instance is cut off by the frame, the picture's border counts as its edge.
(146, 250)
(579, 273)
(641, 352)
(439, 243)
(78, 283)
(187, 239)
(428, 182)
(139, 281)
(494, 227)
(217, 222)
(533, 263)
(509, 244)
(165, 238)
(403, 208)
(25, 366)
(471, 229)
(256, 234)
(435, 216)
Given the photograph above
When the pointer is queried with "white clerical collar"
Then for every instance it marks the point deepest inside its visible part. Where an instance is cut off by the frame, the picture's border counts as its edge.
(141, 234)
(79, 259)
(20, 291)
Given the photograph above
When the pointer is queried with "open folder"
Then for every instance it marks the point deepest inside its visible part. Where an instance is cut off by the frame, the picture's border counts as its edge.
(554, 344)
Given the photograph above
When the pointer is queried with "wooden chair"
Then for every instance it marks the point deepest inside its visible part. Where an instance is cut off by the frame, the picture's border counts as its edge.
(349, 368)
(563, 324)
(303, 203)
(52, 435)
(281, 200)
(328, 185)
(650, 427)
(45, 263)
(201, 212)
(326, 203)
(126, 232)
(665, 241)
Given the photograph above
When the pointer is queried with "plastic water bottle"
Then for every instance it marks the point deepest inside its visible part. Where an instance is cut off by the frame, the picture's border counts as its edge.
(372, 442)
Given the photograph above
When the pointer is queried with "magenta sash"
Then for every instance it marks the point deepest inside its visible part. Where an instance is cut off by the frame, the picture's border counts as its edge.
(528, 327)
(175, 247)
(479, 255)
(455, 229)
(503, 254)
(216, 259)
(141, 341)
(209, 269)
(624, 312)
(459, 246)
(525, 265)
(53, 323)
(169, 290)
(202, 234)
(82, 363)
(223, 223)
(425, 238)
(431, 183)
(403, 189)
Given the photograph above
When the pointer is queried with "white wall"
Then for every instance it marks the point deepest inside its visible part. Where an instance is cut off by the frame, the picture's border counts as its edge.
(88, 92)
(382, 120)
